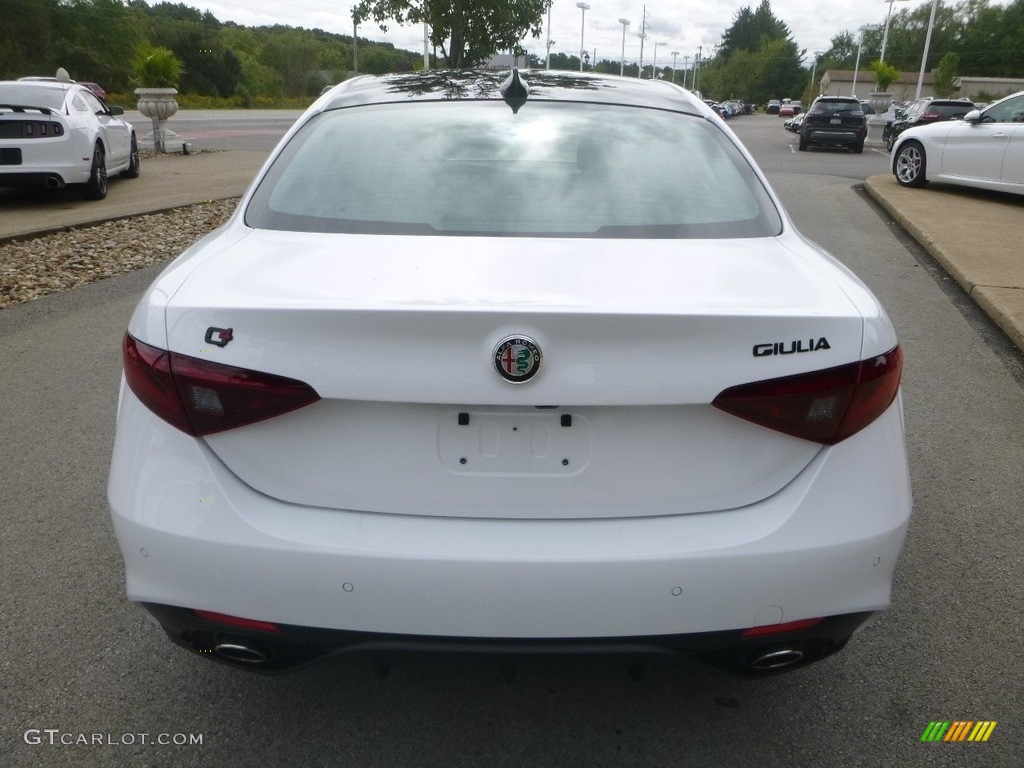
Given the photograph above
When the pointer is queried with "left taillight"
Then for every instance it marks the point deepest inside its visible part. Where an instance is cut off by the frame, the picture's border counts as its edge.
(825, 406)
(200, 397)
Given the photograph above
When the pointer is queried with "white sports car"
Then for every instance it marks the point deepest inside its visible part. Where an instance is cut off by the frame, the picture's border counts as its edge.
(531, 365)
(985, 150)
(57, 133)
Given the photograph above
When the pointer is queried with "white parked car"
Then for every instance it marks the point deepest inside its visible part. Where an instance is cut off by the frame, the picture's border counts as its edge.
(985, 149)
(535, 367)
(56, 133)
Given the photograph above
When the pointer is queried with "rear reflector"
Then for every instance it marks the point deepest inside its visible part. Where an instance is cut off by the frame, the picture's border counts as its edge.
(824, 406)
(781, 629)
(237, 621)
(200, 397)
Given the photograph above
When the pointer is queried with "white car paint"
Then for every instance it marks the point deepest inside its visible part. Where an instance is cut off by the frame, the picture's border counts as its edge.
(985, 150)
(84, 120)
(423, 495)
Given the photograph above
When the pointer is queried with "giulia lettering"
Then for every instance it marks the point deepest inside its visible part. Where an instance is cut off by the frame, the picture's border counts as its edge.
(790, 347)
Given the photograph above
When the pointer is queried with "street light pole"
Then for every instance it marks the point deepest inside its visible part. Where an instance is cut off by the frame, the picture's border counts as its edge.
(696, 67)
(814, 71)
(622, 63)
(860, 46)
(686, 67)
(927, 43)
(885, 35)
(674, 55)
(654, 62)
(643, 36)
(584, 7)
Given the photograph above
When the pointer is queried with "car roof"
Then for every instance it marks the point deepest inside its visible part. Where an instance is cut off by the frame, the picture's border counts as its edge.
(543, 85)
(51, 83)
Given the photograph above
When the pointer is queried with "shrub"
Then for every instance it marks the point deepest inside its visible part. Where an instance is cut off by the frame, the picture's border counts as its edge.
(157, 67)
(885, 74)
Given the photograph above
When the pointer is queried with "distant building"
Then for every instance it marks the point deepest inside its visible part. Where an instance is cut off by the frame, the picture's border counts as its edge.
(839, 82)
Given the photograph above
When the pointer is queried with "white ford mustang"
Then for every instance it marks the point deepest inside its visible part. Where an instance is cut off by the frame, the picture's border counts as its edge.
(508, 366)
(57, 133)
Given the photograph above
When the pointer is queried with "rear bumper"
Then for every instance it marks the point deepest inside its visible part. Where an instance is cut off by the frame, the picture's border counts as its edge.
(51, 162)
(49, 179)
(193, 535)
(833, 136)
(287, 648)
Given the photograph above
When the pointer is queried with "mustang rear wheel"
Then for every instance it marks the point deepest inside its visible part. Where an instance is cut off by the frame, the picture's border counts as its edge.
(909, 166)
(96, 187)
(134, 166)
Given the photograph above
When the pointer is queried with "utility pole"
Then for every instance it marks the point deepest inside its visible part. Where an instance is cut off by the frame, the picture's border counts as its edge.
(547, 61)
(355, 44)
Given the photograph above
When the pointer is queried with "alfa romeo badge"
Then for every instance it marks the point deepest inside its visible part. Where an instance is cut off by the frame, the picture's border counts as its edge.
(517, 359)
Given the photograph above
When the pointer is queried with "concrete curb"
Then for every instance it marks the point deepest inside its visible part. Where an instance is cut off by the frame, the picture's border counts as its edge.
(977, 237)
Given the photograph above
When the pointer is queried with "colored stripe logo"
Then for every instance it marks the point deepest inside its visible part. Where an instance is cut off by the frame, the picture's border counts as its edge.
(959, 730)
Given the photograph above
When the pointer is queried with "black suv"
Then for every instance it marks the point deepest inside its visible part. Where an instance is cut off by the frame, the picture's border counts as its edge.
(835, 120)
(925, 111)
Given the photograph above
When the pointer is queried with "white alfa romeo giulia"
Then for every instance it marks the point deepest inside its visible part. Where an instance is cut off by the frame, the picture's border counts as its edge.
(536, 364)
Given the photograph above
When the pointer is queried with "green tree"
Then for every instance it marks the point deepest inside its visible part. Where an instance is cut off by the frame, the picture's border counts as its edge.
(466, 31)
(96, 40)
(947, 77)
(757, 60)
(26, 40)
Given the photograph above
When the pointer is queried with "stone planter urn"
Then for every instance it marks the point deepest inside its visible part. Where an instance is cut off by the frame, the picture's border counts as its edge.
(881, 102)
(158, 104)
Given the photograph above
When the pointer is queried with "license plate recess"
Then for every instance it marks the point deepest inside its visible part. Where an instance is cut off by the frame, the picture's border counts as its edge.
(535, 442)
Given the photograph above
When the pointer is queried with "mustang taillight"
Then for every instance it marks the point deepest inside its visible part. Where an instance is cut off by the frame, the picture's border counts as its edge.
(200, 397)
(824, 406)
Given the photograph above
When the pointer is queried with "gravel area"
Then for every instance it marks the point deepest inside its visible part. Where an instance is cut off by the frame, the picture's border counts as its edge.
(39, 266)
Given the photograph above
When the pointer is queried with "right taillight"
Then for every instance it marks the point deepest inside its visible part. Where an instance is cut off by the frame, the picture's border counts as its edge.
(200, 397)
(824, 406)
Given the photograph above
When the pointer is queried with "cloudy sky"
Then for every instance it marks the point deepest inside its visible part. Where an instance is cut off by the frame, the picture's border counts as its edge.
(682, 25)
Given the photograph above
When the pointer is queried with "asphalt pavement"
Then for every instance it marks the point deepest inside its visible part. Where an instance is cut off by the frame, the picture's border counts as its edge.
(977, 236)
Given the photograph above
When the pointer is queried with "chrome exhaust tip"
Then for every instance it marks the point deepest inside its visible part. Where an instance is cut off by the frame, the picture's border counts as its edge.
(242, 652)
(777, 659)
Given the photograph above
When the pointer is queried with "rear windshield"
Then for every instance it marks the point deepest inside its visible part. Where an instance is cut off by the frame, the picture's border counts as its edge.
(22, 95)
(950, 110)
(837, 107)
(475, 168)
